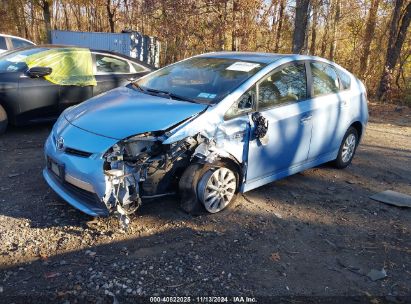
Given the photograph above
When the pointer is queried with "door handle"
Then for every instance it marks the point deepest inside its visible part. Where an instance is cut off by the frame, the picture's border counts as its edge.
(306, 119)
(344, 103)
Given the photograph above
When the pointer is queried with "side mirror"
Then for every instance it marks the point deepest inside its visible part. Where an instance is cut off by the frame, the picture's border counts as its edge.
(261, 125)
(37, 72)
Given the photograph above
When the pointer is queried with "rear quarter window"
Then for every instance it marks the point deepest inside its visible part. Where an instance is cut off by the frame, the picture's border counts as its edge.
(18, 43)
(324, 79)
(345, 80)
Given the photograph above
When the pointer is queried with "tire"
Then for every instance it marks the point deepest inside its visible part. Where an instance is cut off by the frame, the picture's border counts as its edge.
(347, 149)
(3, 120)
(195, 186)
(188, 189)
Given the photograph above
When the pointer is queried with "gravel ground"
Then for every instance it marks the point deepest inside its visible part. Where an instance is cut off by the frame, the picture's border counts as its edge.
(316, 233)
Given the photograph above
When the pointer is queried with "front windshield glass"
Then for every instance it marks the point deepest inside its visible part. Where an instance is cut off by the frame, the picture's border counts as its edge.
(200, 79)
(15, 61)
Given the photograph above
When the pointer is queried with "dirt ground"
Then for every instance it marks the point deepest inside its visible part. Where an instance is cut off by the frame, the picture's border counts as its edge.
(312, 234)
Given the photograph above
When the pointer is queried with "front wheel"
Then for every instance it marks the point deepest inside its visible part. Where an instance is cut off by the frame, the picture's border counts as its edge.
(217, 188)
(207, 187)
(347, 149)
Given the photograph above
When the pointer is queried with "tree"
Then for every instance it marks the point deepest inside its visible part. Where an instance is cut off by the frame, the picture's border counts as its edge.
(337, 16)
(280, 25)
(300, 26)
(45, 7)
(368, 36)
(398, 31)
(314, 27)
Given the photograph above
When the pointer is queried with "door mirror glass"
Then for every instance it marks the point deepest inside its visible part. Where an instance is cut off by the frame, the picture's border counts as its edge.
(37, 72)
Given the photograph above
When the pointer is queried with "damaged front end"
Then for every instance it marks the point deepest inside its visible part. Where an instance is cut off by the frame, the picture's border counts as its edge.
(143, 167)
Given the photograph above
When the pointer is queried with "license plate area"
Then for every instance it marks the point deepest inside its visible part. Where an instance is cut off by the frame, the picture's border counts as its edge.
(56, 168)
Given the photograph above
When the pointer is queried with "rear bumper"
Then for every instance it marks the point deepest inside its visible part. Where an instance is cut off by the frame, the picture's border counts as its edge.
(80, 199)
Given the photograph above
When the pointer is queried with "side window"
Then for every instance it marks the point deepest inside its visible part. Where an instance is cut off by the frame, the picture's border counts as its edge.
(284, 86)
(3, 45)
(243, 105)
(137, 68)
(108, 64)
(18, 43)
(325, 79)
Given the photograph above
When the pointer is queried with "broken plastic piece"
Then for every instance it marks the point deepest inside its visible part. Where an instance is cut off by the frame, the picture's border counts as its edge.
(375, 274)
(393, 198)
(123, 218)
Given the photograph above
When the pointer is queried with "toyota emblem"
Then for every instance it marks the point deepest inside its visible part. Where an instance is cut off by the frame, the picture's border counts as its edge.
(60, 143)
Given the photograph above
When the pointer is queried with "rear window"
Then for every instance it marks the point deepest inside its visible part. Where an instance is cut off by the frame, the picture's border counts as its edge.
(3, 45)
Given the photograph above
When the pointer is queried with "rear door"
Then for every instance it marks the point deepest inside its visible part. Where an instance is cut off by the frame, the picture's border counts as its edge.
(329, 110)
(114, 71)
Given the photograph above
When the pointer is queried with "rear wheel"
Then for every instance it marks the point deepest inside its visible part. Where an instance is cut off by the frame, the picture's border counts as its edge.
(347, 148)
(3, 120)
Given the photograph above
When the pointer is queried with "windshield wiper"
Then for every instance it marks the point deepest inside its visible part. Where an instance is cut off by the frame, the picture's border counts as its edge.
(137, 86)
(171, 95)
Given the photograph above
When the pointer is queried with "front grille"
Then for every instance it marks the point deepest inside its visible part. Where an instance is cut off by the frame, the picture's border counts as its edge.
(89, 198)
(76, 152)
(82, 194)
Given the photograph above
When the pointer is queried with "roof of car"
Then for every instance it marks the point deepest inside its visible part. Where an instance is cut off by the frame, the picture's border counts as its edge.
(55, 46)
(247, 56)
(11, 36)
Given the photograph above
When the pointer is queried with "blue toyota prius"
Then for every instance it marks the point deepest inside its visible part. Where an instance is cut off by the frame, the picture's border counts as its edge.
(207, 127)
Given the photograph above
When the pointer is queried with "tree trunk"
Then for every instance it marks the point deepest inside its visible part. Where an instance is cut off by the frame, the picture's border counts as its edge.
(396, 40)
(337, 16)
(300, 27)
(280, 26)
(314, 29)
(234, 44)
(110, 14)
(66, 18)
(368, 36)
(45, 7)
(13, 8)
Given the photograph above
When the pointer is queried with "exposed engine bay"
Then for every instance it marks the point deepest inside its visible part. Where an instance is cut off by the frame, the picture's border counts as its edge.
(142, 167)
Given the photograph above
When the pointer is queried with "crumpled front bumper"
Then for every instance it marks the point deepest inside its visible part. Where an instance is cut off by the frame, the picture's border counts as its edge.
(87, 203)
(82, 184)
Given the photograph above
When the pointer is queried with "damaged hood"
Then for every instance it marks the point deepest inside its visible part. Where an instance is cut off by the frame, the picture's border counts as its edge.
(124, 112)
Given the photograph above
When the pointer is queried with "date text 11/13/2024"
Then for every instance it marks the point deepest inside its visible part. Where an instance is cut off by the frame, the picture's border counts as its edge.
(205, 299)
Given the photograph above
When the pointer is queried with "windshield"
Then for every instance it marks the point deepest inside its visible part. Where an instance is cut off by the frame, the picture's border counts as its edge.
(200, 79)
(14, 61)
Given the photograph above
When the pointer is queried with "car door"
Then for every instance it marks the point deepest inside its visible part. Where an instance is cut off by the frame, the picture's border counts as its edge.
(329, 110)
(76, 62)
(283, 104)
(113, 71)
(38, 98)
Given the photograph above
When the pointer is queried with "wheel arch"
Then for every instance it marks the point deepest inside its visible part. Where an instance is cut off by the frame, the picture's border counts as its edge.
(357, 125)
